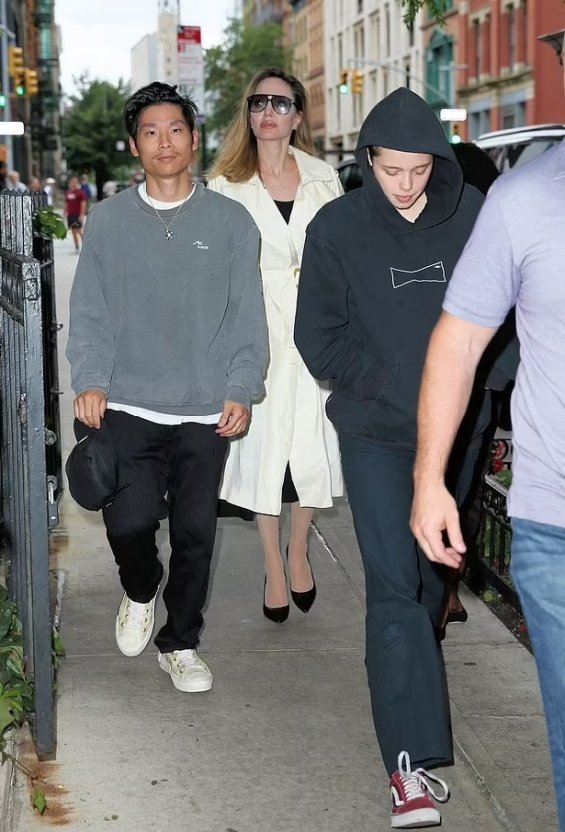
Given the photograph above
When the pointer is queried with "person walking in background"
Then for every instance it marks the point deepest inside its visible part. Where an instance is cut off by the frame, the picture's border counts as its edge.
(290, 452)
(15, 183)
(375, 267)
(515, 258)
(167, 345)
(86, 189)
(75, 210)
(49, 189)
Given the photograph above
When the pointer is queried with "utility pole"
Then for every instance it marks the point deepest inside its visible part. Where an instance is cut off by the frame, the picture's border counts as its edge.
(7, 36)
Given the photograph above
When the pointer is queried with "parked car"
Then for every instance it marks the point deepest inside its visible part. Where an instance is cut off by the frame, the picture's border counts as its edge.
(518, 145)
(350, 174)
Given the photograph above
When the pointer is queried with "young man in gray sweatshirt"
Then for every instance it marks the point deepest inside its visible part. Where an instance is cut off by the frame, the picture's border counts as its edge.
(168, 345)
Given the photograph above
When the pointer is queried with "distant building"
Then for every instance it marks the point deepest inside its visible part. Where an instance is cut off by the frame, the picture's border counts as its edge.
(304, 35)
(368, 37)
(145, 61)
(489, 60)
(154, 57)
(257, 12)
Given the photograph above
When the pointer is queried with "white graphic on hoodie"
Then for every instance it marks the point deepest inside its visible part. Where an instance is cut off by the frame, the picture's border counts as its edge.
(435, 273)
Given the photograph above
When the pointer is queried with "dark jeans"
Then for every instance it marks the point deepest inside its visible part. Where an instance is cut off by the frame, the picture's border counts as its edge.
(184, 464)
(404, 594)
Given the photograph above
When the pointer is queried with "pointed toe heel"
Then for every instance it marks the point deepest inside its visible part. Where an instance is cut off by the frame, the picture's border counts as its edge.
(304, 600)
(276, 614)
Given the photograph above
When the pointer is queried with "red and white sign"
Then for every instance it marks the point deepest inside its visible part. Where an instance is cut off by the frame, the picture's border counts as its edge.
(191, 64)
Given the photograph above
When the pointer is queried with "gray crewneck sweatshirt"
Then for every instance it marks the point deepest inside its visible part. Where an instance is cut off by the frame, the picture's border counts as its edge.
(175, 326)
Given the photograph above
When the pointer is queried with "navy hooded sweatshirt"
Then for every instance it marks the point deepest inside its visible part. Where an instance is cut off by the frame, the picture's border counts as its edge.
(372, 282)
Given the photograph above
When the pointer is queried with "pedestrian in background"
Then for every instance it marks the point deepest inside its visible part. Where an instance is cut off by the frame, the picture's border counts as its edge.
(290, 452)
(167, 346)
(15, 183)
(75, 210)
(375, 268)
(3, 176)
(515, 259)
(86, 189)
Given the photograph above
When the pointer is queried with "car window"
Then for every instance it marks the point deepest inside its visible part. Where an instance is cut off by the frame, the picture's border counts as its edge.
(350, 175)
(521, 153)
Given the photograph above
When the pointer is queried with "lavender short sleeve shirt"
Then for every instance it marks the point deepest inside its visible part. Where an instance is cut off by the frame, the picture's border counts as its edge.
(516, 257)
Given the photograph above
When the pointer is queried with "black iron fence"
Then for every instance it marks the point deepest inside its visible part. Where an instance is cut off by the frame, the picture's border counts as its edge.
(29, 425)
(493, 552)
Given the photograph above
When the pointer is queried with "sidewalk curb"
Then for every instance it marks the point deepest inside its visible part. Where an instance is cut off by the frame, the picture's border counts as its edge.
(491, 780)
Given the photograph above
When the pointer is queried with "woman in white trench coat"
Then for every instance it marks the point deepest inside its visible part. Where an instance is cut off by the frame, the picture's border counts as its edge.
(266, 163)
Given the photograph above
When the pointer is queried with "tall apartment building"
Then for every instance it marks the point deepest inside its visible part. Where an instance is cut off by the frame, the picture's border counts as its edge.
(489, 60)
(304, 35)
(371, 37)
(154, 57)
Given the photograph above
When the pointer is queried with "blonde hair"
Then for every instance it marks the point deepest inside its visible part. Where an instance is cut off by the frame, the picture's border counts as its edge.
(238, 159)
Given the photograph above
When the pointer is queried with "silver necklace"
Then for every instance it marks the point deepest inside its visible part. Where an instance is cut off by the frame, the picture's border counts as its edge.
(169, 233)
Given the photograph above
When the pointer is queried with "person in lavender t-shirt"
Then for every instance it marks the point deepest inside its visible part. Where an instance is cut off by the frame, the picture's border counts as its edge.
(514, 258)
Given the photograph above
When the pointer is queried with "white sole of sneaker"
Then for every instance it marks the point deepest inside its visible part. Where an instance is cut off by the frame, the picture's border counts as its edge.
(416, 819)
(194, 686)
(132, 653)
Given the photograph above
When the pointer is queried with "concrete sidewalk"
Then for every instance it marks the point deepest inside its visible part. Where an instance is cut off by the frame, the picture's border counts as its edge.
(284, 742)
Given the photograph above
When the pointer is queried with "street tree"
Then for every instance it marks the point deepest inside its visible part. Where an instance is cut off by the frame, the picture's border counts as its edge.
(231, 65)
(92, 125)
(436, 9)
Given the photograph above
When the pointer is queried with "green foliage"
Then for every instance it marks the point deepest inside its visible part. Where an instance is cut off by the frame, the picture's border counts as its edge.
(436, 9)
(231, 65)
(48, 224)
(16, 691)
(38, 801)
(92, 126)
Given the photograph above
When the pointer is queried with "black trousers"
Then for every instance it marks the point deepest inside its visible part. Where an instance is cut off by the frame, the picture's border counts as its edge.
(404, 594)
(171, 471)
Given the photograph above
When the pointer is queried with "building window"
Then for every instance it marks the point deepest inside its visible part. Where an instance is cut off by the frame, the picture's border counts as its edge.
(511, 17)
(477, 41)
(359, 6)
(387, 30)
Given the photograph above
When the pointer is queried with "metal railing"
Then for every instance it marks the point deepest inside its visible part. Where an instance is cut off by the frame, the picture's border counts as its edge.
(493, 554)
(26, 491)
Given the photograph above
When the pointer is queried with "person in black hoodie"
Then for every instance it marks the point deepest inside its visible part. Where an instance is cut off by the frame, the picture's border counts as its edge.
(374, 273)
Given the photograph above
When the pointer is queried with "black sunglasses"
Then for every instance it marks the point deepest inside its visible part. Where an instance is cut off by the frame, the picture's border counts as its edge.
(281, 104)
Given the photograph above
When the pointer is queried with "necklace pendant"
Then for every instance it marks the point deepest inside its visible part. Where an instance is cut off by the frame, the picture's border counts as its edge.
(169, 234)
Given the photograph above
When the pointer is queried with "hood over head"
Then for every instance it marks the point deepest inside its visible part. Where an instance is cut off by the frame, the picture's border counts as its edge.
(403, 121)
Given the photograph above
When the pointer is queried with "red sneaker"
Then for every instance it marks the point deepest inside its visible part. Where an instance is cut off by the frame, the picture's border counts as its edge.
(412, 806)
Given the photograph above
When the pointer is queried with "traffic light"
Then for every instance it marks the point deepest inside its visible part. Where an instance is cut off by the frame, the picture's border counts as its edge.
(455, 137)
(31, 82)
(2, 100)
(15, 62)
(357, 82)
(343, 82)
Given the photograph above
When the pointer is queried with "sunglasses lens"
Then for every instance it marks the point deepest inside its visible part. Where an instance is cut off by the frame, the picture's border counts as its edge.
(281, 104)
(257, 103)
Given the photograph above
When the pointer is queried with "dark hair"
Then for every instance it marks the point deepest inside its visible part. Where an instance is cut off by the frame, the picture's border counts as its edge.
(477, 166)
(156, 93)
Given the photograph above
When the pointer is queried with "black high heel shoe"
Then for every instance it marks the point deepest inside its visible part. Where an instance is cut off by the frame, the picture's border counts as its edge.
(304, 600)
(276, 614)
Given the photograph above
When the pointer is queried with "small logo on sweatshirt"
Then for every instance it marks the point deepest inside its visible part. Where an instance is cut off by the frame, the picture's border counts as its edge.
(200, 245)
(434, 273)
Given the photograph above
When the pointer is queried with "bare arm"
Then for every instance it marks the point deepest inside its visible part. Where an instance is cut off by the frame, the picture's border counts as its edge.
(453, 354)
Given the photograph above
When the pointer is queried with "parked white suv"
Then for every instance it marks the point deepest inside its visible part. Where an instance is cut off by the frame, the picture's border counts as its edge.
(518, 145)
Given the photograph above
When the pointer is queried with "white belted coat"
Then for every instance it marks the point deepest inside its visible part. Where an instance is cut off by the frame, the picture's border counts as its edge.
(289, 425)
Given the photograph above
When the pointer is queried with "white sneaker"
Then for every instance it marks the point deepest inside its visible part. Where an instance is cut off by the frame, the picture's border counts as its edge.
(187, 671)
(134, 625)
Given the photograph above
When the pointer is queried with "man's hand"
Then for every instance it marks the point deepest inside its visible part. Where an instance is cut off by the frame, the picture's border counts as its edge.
(434, 511)
(90, 407)
(234, 419)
